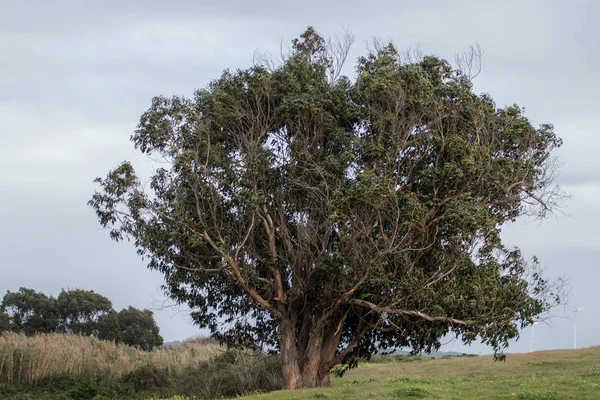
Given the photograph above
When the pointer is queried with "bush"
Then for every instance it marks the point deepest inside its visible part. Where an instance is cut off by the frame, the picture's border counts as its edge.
(231, 374)
(227, 357)
(408, 358)
(144, 378)
(69, 386)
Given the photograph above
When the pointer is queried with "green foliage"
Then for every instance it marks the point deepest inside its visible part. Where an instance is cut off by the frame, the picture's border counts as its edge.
(80, 310)
(218, 379)
(30, 312)
(295, 207)
(130, 326)
(138, 328)
(227, 357)
(144, 378)
(67, 386)
(404, 359)
(109, 327)
(74, 311)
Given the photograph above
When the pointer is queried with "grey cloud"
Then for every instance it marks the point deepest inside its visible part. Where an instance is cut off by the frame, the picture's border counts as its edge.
(75, 77)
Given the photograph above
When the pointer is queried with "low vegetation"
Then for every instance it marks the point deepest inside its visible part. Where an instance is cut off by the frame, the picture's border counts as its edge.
(30, 359)
(63, 367)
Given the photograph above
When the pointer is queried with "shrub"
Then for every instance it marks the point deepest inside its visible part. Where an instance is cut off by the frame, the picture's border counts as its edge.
(144, 378)
(408, 358)
(248, 374)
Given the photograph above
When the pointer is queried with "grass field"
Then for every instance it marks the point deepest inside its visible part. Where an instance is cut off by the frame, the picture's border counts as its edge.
(543, 375)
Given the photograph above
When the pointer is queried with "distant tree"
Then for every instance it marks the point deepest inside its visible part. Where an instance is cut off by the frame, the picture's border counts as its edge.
(109, 327)
(329, 217)
(80, 310)
(31, 312)
(138, 328)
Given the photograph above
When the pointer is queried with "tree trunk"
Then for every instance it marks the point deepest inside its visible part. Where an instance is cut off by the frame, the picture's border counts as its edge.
(312, 359)
(309, 367)
(290, 365)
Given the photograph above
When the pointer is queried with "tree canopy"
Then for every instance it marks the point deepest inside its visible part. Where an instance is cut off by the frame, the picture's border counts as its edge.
(109, 327)
(30, 312)
(328, 217)
(138, 328)
(80, 310)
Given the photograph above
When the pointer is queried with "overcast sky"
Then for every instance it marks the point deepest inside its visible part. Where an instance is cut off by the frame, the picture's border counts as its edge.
(76, 75)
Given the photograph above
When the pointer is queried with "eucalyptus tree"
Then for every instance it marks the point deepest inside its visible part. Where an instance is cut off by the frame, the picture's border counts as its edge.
(328, 217)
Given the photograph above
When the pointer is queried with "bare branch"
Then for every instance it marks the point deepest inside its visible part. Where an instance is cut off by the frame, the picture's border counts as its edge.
(469, 62)
(338, 50)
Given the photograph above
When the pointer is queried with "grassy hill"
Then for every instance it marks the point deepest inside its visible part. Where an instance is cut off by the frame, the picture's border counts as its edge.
(548, 375)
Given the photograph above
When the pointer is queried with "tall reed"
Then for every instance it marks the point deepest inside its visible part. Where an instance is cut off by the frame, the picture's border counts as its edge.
(29, 359)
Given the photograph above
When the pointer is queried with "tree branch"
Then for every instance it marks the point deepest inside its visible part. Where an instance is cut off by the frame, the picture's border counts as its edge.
(389, 310)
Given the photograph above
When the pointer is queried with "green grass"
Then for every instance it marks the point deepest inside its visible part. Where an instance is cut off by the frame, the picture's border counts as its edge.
(543, 375)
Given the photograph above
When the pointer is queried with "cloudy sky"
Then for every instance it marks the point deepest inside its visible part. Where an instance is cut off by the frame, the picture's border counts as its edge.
(76, 75)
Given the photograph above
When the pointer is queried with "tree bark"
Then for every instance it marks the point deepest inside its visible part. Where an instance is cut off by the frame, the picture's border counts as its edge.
(290, 366)
(307, 365)
(312, 359)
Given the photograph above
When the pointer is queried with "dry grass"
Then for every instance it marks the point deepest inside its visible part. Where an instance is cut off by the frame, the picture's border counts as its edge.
(29, 359)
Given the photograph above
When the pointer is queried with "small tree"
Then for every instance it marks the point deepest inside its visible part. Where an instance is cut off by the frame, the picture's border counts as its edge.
(139, 329)
(329, 218)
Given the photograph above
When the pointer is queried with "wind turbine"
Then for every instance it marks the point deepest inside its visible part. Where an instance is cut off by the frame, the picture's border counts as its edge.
(531, 343)
(575, 327)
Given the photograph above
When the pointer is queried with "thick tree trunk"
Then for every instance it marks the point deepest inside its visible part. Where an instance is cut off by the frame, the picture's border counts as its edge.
(306, 367)
(312, 360)
(315, 373)
(290, 365)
